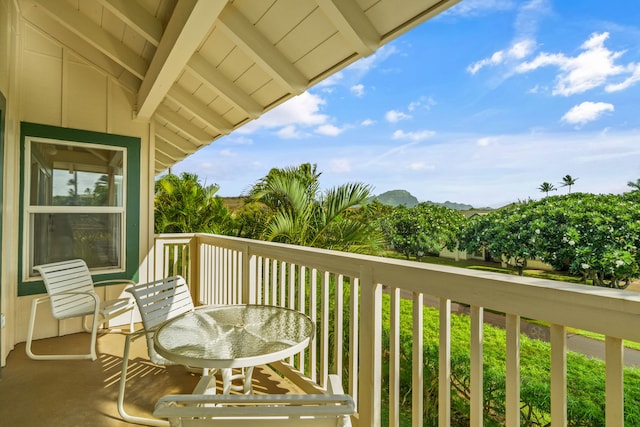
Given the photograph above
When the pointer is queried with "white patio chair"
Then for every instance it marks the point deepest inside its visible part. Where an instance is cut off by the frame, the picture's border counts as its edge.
(70, 289)
(330, 410)
(159, 301)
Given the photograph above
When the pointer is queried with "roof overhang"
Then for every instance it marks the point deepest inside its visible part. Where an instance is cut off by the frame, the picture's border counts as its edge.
(202, 68)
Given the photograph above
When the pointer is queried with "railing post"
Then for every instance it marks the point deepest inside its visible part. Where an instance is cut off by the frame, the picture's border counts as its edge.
(558, 375)
(249, 276)
(513, 370)
(158, 258)
(614, 410)
(444, 364)
(194, 267)
(370, 345)
(476, 388)
(417, 382)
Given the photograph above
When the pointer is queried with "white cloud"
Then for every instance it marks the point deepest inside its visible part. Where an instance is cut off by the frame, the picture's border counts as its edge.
(586, 112)
(394, 116)
(329, 130)
(227, 153)
(495, 59)
(630, 81)
(357, 90)
(367, 122)
(340, 165)
(413, 136)
(517, 51)
(578, 74)
(521, 49)
(423, 102)
(332, 80)
(290, 132)
(301, 110)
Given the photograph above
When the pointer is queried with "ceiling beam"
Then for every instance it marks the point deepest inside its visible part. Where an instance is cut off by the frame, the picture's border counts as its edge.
(225, 87)
(185, 126)
(136, 17)
(199, 109)
(260, 50)
(352, 23)
(190, 23)
(76, 22)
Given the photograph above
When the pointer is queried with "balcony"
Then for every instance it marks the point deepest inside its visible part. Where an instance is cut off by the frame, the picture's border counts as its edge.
(352, 299)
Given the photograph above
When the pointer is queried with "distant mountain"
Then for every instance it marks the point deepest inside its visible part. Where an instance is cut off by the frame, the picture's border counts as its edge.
(453, 205)
(403, 197)
(396, 198)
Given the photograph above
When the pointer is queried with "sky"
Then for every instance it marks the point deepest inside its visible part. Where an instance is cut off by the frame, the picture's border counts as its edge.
(479, 105)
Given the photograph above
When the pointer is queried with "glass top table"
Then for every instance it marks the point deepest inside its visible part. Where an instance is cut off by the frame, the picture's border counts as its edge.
(233, 336)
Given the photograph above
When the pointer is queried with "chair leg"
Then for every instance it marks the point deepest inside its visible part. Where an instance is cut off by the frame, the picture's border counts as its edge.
(121, 391)
(32, 321)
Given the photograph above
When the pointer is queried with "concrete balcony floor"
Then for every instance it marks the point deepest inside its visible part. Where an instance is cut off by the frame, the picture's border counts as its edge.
(84, 392)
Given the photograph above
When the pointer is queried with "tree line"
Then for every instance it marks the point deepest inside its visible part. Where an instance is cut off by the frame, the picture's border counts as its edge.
(593, 236)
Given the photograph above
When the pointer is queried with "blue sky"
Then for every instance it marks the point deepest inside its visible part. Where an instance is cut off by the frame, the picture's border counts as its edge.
(479, 105)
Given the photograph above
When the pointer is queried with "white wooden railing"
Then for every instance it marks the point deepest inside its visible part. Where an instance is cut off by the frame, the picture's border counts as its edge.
(224, 269)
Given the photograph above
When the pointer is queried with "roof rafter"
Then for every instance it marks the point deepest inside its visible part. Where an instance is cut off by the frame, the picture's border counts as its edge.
(90, 32)
(181, 144)
(352, 24)
(136, 17)
(41, 19)
(224, 86)
(171, 143)
(199, 109)
(164, 160)
(184, 125)
(189, 24)
(258, 48)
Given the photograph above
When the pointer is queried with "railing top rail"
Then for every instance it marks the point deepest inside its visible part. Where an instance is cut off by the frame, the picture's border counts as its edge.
(611, 312)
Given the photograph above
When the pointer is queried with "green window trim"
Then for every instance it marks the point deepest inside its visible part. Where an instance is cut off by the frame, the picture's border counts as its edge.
(132, 225)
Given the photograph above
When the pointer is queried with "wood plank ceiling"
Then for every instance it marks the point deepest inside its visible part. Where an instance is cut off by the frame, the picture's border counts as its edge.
(202, 68)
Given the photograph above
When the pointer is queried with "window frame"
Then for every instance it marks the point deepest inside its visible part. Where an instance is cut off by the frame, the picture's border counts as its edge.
(130, 209)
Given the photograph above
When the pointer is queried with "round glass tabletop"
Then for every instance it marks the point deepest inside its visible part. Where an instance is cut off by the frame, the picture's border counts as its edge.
(233, 336)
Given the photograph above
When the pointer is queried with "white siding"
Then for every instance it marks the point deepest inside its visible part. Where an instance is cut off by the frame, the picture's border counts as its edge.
(48, 84)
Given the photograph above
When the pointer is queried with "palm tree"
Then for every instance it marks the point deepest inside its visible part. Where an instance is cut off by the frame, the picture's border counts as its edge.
(546, 187)
(634, 185)
(183, 205)
(299, 214)
(568, 181)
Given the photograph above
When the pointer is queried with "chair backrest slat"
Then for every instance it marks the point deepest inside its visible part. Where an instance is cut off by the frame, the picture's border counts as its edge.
(64, 282)
(159, 301)
(162, 300)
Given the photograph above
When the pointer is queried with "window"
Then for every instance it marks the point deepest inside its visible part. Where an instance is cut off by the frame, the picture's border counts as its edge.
(76, 203)
(77, 200)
